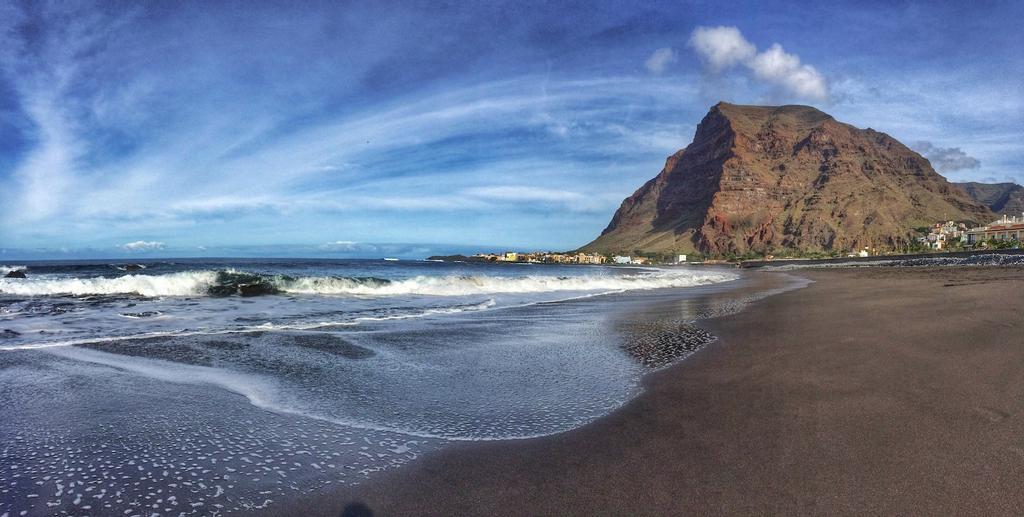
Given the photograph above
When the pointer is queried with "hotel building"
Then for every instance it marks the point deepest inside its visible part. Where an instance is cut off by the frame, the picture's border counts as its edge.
(1007, 228)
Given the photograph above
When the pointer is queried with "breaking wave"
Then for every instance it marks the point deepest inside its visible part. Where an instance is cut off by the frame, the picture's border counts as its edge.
(186, 283)
(7, 269)
(231, 282)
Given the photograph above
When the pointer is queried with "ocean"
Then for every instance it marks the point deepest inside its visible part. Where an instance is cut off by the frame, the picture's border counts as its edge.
(203, 386)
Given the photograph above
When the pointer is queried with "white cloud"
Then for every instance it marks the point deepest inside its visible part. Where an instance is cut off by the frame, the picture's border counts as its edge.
(660, 59)
(339, 246)
(722, 48)
(775, 66)
(143, 246)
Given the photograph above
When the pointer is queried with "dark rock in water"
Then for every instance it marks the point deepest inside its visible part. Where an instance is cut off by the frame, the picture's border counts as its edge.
(230, 283)
(133, 267)
(17, 273)
(256, 289)
(143, 314)
(8, 334)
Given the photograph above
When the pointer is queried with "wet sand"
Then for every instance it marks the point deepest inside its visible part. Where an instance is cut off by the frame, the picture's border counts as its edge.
(874, 390)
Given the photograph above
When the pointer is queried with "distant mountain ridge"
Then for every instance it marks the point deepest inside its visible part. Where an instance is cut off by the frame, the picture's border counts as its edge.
(765, 179)
(1001, 198)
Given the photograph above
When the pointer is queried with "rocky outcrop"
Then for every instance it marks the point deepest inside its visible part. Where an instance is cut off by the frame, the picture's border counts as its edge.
(1001, 198)
(765, 179)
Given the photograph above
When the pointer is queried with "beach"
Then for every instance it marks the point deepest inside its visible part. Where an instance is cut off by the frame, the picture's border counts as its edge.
(198, 387)
(876, 390)
(357, 259)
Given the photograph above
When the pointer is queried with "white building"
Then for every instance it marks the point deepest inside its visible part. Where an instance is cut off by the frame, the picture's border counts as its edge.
(1007, 228)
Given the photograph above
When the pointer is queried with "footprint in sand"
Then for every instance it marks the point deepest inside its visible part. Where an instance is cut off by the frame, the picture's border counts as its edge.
(991, 414)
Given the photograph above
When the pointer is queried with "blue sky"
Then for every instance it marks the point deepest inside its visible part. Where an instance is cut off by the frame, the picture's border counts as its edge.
(221, 128)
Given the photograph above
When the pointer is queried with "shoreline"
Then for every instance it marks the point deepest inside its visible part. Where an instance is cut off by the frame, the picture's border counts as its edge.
(874, 260)
(864, 391)
(209, 420)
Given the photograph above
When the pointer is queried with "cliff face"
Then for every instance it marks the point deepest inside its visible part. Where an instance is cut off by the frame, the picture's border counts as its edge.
(1001, 198)
(763, 179)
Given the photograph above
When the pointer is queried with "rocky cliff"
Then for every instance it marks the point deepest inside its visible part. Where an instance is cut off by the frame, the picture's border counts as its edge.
(1001, 198)
(770, 178)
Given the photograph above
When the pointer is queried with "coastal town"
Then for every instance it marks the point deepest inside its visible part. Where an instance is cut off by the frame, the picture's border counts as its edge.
(565, 258)
(1003, 233)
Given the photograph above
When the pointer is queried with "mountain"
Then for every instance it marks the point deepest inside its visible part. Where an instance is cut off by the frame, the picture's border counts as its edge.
(1001, 198)
(769, 178)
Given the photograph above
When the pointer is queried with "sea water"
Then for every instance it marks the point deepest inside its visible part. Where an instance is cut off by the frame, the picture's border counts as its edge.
(194, 386)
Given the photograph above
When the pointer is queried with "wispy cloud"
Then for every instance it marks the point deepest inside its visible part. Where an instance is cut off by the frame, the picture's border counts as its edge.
(660, 60)
(301, 124)
(266, 170)
(523, 193)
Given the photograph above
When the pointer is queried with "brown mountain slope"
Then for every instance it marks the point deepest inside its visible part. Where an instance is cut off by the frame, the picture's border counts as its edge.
(764, 179)
(1001, 198)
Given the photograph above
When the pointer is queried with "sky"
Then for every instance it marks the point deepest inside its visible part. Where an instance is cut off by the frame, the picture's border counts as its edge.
(414, 128)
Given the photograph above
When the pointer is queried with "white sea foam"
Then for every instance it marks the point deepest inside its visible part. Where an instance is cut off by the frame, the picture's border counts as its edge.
(470, 285)
(196, 283)
(186, 283)
(258, 390)
(40, 345)
(427, 312)
(261, 391)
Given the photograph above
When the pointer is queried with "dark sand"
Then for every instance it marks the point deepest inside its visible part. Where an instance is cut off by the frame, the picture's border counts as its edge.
(878, 391)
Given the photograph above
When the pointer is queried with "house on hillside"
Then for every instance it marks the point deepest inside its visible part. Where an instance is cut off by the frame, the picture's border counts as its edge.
(943, 233)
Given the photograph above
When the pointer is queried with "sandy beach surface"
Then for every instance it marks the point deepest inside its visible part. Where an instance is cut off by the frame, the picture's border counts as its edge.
(871, 391)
